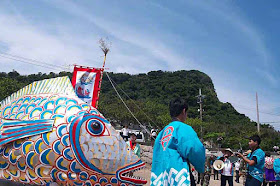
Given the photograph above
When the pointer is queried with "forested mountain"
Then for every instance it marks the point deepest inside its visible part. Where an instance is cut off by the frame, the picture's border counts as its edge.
(148, 95)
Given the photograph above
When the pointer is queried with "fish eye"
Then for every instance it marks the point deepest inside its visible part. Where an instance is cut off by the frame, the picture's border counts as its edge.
(95, 127)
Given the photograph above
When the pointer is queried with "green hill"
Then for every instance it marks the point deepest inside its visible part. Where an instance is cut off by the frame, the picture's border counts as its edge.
(149, 97)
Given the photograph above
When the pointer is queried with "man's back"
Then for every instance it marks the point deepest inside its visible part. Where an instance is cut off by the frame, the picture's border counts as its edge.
(175, 146)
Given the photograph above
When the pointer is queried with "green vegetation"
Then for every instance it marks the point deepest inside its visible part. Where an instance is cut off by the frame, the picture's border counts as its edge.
(152, 92)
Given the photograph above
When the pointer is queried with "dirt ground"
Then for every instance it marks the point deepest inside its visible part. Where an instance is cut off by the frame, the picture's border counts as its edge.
(218, 182)
(146, 173)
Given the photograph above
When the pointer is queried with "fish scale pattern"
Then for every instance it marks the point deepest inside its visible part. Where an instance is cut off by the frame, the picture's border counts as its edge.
(60, 85)
(48, 157)
(50, 135)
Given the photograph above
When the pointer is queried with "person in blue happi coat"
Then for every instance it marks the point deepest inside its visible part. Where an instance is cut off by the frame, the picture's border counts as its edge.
(255, 162)
(276, 168)
(176, 147)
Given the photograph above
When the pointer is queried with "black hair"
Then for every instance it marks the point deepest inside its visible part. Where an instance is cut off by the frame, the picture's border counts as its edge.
(267, 154)
(256, 138)
(176, 107)
(132, 134)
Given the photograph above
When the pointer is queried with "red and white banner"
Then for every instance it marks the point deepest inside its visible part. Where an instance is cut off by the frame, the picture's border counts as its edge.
(86, 84)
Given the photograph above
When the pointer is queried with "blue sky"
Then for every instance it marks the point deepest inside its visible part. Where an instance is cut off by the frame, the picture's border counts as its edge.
(235, 42)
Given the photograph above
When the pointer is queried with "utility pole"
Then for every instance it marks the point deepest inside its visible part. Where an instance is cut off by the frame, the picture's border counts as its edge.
(201, 131)
(258, 117)
(200, 98)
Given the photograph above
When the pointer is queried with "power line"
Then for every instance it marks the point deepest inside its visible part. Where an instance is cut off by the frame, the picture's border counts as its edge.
(273, 124)
(252, 109)
(27, 62)
(22, 61)
(273, 112)
(41, 62)
(267, 122)
(32, 62)
(243, 107)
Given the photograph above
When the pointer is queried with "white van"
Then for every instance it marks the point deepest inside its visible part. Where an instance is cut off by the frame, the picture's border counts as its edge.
(139, 135)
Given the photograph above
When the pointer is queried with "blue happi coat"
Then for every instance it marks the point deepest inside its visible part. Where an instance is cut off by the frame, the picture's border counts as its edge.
(256, 171)
(175, 145)
(276, 168)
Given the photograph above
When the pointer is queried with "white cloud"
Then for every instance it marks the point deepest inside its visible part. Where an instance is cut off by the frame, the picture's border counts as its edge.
(133, 51)
(127, 33)
(64, 47)
(25, 39)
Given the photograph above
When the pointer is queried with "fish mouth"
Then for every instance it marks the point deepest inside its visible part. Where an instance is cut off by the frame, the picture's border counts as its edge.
(125, 174)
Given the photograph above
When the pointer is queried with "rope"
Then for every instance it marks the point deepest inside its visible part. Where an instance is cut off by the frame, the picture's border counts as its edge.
(135, 104)
(142, 126)
(129, 111)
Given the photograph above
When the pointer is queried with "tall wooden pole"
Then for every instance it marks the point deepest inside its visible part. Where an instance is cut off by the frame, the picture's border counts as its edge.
(105, 48)
(258, 117)
(104, 61)
(100, 82)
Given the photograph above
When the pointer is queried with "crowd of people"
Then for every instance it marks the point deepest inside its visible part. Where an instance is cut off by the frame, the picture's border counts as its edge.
(179, 157)
(226, 173)
(271, 171)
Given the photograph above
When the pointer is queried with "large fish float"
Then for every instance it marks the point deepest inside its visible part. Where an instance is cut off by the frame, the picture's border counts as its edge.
(49, 135)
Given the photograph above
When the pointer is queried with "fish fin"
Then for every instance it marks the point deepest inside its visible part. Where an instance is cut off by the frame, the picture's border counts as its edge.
(12, 130)
(59, 85)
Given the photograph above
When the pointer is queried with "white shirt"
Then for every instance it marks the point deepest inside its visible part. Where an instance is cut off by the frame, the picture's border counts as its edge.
(228, 168)
(125, 131)
(237, 165)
